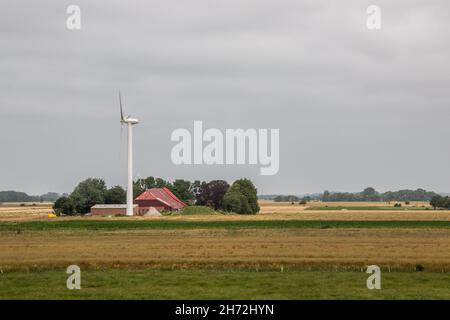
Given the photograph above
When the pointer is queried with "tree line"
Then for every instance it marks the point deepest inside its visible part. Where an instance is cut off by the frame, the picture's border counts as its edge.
(241, 197)
(368, 194)
(16, 196)
(88, 193)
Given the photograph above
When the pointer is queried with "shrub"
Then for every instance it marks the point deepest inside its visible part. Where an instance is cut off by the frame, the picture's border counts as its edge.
(197, 210)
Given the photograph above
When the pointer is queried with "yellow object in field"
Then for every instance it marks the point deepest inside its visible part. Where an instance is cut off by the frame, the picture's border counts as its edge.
(52, 215)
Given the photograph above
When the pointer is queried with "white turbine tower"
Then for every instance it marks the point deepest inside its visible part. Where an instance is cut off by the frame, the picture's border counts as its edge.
(129, 122)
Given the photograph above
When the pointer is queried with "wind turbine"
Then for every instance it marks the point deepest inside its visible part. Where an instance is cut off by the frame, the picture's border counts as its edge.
(129, 122)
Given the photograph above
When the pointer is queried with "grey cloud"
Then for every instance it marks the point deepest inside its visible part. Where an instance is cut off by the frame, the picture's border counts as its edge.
(354, 107)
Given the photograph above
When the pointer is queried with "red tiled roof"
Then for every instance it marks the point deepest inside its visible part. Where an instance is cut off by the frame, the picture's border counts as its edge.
(163, 195)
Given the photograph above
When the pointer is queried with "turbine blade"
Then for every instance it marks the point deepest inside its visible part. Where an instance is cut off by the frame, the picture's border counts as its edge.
(121, 141)
(121, 111)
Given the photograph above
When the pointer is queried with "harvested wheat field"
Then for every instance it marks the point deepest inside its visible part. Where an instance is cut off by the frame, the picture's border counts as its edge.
(352, 211)
(25, 211)
(285, 251)
(399, 248)
(415, 211)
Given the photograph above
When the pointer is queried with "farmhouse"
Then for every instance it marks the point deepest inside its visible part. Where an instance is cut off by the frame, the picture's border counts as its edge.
(162, 199)
(150, 202)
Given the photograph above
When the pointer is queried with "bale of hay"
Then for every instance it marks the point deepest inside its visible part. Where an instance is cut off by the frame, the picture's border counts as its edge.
(153, 212)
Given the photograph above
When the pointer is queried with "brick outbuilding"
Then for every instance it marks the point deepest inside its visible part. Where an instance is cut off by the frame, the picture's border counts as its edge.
(112, 209)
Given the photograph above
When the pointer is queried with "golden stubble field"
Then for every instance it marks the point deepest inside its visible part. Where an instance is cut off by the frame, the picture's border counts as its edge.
(350, 247)
(25, 211)
(393, 248)
(269, 211)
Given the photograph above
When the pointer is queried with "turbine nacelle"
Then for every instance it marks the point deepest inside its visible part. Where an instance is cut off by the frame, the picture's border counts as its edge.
(126, 119)
(129, 120)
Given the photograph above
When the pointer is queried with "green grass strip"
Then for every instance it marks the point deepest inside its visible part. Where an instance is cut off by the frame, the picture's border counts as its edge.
(236, 224)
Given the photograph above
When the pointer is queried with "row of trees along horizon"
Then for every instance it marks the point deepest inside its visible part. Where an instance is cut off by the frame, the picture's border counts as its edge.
(241, 197)
(368, 195)
(212, 194)
(17, 196)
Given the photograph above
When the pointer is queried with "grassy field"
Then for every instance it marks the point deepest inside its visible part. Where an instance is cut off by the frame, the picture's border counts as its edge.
(222, 284)
(321, 250)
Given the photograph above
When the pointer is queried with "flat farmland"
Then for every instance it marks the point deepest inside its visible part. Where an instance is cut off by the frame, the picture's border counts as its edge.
(352, 211)
(24, 211)
(286, 251)
(363, 211)
(401, 249)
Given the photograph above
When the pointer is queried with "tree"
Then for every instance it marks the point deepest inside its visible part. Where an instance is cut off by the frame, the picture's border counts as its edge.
(236, 202)
(50, 196)
(249, 191)
(211, 194)
(244, 191)
(88, 193)
(289, 198)
(440, 202)
(161, 183)
(196, 187)
(149, 182)
(14, 196)
(139, 186)
(182, 189)
(116, 195)
(369, 194)
(64, 205)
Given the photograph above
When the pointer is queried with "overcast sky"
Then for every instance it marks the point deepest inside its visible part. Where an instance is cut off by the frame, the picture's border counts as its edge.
(355, 107)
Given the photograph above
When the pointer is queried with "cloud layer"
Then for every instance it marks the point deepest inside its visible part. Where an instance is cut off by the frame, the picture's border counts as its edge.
(355, 107)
